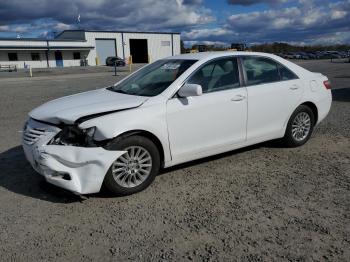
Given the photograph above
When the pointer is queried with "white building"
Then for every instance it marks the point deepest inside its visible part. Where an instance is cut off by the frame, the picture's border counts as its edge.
(70, 46)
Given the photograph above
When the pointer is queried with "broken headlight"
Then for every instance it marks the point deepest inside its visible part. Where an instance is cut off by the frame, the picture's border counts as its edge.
(74, 136)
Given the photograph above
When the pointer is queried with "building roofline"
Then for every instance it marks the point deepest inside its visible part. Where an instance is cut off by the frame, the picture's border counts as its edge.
(133, 32)
(45, 47)
(42, 40)
(118, 31)
(56, 39)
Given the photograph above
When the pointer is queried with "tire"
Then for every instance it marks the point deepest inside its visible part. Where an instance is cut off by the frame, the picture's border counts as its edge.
(133, 180)
(299, 138)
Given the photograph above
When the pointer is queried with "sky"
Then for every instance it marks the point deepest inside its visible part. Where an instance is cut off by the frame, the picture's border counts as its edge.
(219, 22)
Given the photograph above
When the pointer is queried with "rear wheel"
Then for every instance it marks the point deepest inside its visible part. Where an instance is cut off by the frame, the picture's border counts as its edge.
(300, 127)
(136, 169)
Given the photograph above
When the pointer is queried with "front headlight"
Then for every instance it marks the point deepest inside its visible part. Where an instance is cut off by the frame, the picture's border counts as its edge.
(90, 132)
(74, 136)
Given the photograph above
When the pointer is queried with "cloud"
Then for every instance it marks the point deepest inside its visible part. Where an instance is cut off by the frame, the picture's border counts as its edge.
(62, 26)
(44, 34)
(308, 22)
(253, 2)
(214, 43)
(205, 33)
(293, 23)
(109, 14)
(20, 29)
(180, 3)
(4, 28)
(302, 21)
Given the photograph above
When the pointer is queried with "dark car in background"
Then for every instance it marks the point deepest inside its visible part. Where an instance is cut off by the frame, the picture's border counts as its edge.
(112, 60)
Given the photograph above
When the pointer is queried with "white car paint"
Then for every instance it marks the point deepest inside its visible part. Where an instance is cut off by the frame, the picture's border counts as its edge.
(265, 121)
(70, 108)
(202, 123)
(187, 128)
(86, 166)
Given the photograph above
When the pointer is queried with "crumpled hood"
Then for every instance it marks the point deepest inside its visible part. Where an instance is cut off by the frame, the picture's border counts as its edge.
(70, 108)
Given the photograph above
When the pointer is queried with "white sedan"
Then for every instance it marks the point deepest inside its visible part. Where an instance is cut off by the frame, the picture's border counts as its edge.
(169, 112)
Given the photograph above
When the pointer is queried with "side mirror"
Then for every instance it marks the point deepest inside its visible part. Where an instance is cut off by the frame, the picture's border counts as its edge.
(188, 90)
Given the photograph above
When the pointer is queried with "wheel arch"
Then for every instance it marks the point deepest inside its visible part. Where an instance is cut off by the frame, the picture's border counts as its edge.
(313, 108)
(309, 104)
(148, 135)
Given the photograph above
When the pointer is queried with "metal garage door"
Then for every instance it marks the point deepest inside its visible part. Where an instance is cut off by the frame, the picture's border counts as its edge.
(104, 49)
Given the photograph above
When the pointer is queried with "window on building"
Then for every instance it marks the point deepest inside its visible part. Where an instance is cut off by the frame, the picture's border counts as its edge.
(13, 56)
(35, 56)
(76, 55)
(165, 43)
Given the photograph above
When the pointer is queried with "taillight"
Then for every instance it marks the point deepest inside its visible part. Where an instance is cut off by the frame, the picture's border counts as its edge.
(327, 84)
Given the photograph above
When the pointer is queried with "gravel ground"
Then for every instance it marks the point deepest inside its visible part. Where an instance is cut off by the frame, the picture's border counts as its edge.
(261, 203)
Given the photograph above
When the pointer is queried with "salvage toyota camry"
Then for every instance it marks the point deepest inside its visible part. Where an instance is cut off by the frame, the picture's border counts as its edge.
(169, 112)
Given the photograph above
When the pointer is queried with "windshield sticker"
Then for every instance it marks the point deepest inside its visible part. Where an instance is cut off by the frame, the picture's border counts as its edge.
(170, 66)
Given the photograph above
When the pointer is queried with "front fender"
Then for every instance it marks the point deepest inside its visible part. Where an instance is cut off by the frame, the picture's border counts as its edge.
(145, 118)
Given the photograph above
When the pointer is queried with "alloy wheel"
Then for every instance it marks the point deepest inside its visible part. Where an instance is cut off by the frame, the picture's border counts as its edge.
(132, 168)
(301, 126)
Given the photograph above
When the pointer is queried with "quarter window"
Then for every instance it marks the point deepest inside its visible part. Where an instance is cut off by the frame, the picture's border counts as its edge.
(260, 70)
(218, 75)
(285, 73)
(13, 56)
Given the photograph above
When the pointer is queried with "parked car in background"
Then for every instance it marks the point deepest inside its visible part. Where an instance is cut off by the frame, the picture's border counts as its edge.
(311, 55)
(335, 54)
(296, 55)
(288, 55)
(115, 60)
(172, 111)
(303, 55)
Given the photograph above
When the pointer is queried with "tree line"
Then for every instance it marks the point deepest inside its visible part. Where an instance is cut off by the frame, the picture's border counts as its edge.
(276, 47)
(284, 47)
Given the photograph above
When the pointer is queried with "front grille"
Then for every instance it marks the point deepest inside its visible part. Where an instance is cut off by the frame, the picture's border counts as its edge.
(32, 135)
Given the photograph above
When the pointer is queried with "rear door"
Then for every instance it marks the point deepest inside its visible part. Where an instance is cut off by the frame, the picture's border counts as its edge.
(273, 93)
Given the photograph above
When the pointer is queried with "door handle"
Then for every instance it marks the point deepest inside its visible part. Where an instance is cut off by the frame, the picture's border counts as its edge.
(295, 87)
(238, 98)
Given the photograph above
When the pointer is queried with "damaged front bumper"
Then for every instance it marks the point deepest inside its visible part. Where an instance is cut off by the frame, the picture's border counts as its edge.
(77, 169)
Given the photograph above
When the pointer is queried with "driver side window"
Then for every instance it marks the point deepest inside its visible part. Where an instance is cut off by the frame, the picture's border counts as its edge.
(221, 74)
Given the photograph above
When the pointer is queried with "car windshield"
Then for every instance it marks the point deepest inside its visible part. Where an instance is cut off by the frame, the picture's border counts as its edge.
(154, 78)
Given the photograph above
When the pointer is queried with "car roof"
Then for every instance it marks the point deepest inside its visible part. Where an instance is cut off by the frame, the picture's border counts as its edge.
(202, 57)
(217, 54)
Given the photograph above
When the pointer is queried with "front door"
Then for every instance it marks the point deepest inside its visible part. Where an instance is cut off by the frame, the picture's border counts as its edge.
(204, 124)
(59, 59)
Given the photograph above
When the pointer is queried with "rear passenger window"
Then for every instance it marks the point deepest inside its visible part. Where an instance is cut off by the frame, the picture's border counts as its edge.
(285, 73)
(221, 74)
(260, 70)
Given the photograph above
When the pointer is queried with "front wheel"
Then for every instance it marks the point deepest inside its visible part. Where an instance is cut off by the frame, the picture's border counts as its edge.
(300, 127)
(136, 169)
